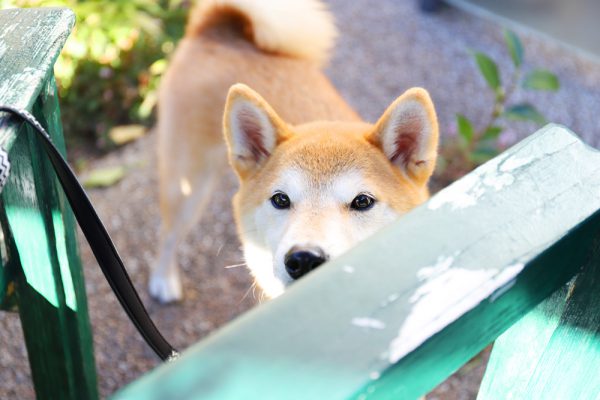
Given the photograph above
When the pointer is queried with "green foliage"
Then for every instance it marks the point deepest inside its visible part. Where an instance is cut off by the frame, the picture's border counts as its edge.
(515, 47)
(465, 128)
(492, 132)
(109, 69)
(540, 79)
(476, 146)
(488, 69)
(104, 177)
(524, 112)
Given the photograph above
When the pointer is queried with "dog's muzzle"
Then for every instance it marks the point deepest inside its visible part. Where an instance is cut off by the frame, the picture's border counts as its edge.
(301, 260)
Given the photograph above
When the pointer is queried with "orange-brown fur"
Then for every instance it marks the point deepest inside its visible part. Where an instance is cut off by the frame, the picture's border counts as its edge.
(324, 149)
(215, 54)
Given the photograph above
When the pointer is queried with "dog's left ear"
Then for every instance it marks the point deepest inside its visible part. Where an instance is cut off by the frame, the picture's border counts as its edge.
(407, 133)
(252, 130)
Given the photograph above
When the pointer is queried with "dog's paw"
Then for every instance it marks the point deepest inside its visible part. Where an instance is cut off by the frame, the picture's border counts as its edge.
(165, 288)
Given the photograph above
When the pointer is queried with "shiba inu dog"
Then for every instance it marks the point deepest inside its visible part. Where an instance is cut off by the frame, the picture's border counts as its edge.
(314, 178)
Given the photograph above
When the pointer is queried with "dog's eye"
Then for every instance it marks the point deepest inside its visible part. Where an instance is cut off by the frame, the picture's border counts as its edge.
(362, 202)
(280, 201)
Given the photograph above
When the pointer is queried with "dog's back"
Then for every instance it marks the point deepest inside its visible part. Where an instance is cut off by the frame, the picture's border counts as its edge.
(278, 48)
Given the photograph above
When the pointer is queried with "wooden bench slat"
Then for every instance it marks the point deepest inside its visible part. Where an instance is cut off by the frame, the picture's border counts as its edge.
(554, 351)
(30, 42)
(37, 222)
(400, 312)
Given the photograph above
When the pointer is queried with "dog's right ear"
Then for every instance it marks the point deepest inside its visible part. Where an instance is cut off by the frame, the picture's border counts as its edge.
(407, 133)
(252, 129)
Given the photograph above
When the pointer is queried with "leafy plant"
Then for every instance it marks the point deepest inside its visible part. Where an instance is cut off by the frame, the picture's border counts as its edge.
(476, 145)
(109, 69)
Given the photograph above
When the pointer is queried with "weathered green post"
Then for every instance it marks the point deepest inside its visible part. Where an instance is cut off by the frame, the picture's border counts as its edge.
(40, 271)
(554, 351)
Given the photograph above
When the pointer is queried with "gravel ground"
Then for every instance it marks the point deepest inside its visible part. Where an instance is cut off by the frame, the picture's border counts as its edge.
(383, 50)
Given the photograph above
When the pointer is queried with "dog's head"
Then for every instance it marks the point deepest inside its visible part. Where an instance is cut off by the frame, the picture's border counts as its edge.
(310, 192)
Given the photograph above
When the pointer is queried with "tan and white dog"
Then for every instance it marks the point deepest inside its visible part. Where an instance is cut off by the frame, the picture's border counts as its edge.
(314, 178)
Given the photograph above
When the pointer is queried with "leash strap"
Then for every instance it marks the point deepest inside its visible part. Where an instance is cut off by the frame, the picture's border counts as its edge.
(97, 237)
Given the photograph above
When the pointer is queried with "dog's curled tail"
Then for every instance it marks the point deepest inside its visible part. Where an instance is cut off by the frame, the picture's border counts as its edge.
(297, 28)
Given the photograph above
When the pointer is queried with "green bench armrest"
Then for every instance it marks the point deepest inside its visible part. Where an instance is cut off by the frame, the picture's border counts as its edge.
(400, 312)
(40, 271)
(554, 351)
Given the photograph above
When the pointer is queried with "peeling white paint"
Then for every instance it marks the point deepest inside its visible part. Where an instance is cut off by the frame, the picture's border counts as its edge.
(374, 375)
(348, 269)
(8, 29)
(365, 322)
(461, 194)
(34, 72)
(27, 80)
(393, 297)
(441, 265)
(498, 181)
(559, 140)
(500, 291)
(389, 300)
(444, 298)
(513, 162)
(467, 191)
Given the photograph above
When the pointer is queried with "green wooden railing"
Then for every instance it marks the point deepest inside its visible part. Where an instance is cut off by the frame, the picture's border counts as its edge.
(399, 313)
(514, 246)
(40, 271)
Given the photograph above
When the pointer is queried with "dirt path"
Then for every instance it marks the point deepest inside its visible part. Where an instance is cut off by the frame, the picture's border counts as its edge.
(385, 47)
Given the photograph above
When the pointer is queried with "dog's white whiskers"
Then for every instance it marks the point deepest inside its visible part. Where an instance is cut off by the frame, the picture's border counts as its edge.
(251, 288)
(262, 298)
(235, 265)
(220, 248)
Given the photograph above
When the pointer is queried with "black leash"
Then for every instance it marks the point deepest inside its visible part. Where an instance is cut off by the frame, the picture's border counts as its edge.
(97, 237)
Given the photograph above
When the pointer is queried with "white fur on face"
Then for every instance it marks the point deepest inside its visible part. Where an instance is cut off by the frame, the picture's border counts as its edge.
(319, 215)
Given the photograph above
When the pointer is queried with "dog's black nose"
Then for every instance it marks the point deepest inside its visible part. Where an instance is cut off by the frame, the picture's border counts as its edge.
(301, 260)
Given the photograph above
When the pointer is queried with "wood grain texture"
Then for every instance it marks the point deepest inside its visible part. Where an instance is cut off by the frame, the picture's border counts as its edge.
(403, 310)
(30, 42)
(554, 351)
(39, 226)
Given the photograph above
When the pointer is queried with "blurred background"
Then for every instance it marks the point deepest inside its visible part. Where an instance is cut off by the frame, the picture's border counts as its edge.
(497, 71)
(110, 67)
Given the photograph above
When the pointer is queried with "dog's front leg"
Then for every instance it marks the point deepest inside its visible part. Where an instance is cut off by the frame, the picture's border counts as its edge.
(165, 283)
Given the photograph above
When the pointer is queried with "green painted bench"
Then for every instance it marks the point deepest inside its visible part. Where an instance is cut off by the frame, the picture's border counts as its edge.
(509, 253)
(514, 243)
(40, 270)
